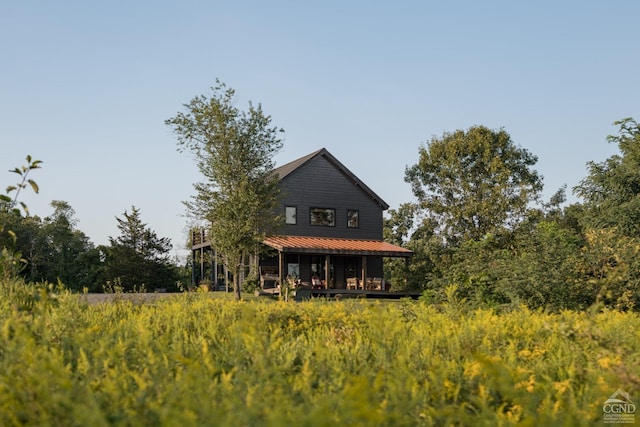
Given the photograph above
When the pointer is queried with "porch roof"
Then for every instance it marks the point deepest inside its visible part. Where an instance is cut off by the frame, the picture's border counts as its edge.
(335, 246)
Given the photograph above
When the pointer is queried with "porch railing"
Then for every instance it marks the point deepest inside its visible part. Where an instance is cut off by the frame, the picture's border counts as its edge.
(199, 237)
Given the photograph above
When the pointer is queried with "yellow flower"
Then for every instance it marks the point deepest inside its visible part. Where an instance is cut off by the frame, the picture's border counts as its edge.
(524, 353)
(604, 362)
(528, 385)
(514, 412)
(473, 370)
(562, 386)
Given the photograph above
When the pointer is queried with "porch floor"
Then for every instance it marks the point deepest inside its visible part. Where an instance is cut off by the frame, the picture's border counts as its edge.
(302, 294)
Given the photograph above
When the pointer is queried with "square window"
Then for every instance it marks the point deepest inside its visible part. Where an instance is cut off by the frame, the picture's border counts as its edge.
(352, 219)
(290, 215)
(322, 216)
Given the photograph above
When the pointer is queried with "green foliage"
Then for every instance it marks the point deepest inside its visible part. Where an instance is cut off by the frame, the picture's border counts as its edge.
(428, 248)
(473, 182)
(475, 225)
(24, 182)
(610, 220)
(11, 261)
(250, 284)
(195, 360)
(610, 267)
(234, 151)
(138, 258)
(611, 191)
(61, 251)
(53, 248)
(540, 270)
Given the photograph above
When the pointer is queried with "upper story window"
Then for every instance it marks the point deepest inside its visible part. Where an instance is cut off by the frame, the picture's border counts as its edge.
(290, 214)
(322, 216)
(352, 219)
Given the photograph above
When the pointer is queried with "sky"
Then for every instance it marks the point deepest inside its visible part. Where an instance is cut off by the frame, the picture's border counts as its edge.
(87, 86)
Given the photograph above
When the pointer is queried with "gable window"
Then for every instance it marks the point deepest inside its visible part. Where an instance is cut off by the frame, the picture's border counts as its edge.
(290, 215)
(322, 216)
(352, 218)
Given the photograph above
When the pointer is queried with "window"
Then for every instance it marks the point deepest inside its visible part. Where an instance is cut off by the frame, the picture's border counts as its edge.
(290, 215)
(322, 216)
(352, 219)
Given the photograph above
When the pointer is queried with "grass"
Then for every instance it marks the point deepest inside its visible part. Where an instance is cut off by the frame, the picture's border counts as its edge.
(201, 359)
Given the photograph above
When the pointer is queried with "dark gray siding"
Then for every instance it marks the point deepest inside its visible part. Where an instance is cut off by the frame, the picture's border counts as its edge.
(318, 183)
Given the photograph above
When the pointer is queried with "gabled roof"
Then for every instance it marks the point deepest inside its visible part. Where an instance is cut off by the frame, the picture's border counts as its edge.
(291, 167)
(335, 246)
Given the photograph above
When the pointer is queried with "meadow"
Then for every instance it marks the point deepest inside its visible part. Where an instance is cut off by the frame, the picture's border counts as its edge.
(194, 360)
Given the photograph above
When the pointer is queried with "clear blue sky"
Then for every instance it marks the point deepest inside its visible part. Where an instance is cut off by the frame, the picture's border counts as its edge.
(86, 86)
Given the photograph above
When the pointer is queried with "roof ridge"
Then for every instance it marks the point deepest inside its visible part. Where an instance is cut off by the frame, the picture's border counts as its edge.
(290, 167)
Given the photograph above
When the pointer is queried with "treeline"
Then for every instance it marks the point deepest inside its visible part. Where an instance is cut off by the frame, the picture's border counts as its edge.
(479, 228)
(53, 249)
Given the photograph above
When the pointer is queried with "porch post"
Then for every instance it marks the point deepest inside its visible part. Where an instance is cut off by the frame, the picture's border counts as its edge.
(281, 267)
(364, 271)
(214, 270)
(327, 273)
(193, 267)
(201, 264)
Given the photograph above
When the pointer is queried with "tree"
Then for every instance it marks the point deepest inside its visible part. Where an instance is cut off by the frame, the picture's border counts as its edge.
(611, 220)
(400, 230)
(610, 268)
(473, 182)
(52, 248)
(138, 257)
(234, 151)
(611, 191)
(540, 269)
(62, 249)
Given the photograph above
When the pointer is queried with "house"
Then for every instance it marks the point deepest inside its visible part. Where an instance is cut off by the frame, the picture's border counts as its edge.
(332, 232)
(333, 225)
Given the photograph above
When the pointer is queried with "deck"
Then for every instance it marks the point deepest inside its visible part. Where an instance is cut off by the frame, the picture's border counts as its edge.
(305, 294)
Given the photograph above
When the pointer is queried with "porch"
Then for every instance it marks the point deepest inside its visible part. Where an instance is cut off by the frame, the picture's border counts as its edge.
(319, 263)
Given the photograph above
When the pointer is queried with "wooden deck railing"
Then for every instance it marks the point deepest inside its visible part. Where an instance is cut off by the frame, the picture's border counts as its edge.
(199, 237)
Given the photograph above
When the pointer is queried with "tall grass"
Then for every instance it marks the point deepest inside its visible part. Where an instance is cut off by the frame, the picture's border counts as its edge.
(194, 360)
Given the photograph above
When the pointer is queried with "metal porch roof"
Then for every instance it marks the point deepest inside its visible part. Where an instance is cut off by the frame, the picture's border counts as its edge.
(335, 246)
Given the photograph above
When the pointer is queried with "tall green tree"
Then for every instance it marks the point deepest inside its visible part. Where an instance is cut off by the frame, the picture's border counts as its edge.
(138, 257)
(611, 191)
(62, 249)
(234, 151)
(473, 182)
(611, 221)
(53, 248)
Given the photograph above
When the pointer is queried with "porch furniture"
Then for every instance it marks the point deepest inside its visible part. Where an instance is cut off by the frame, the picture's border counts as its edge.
(269, 277)
(316, 283)
(374, 283)
(352, 283)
